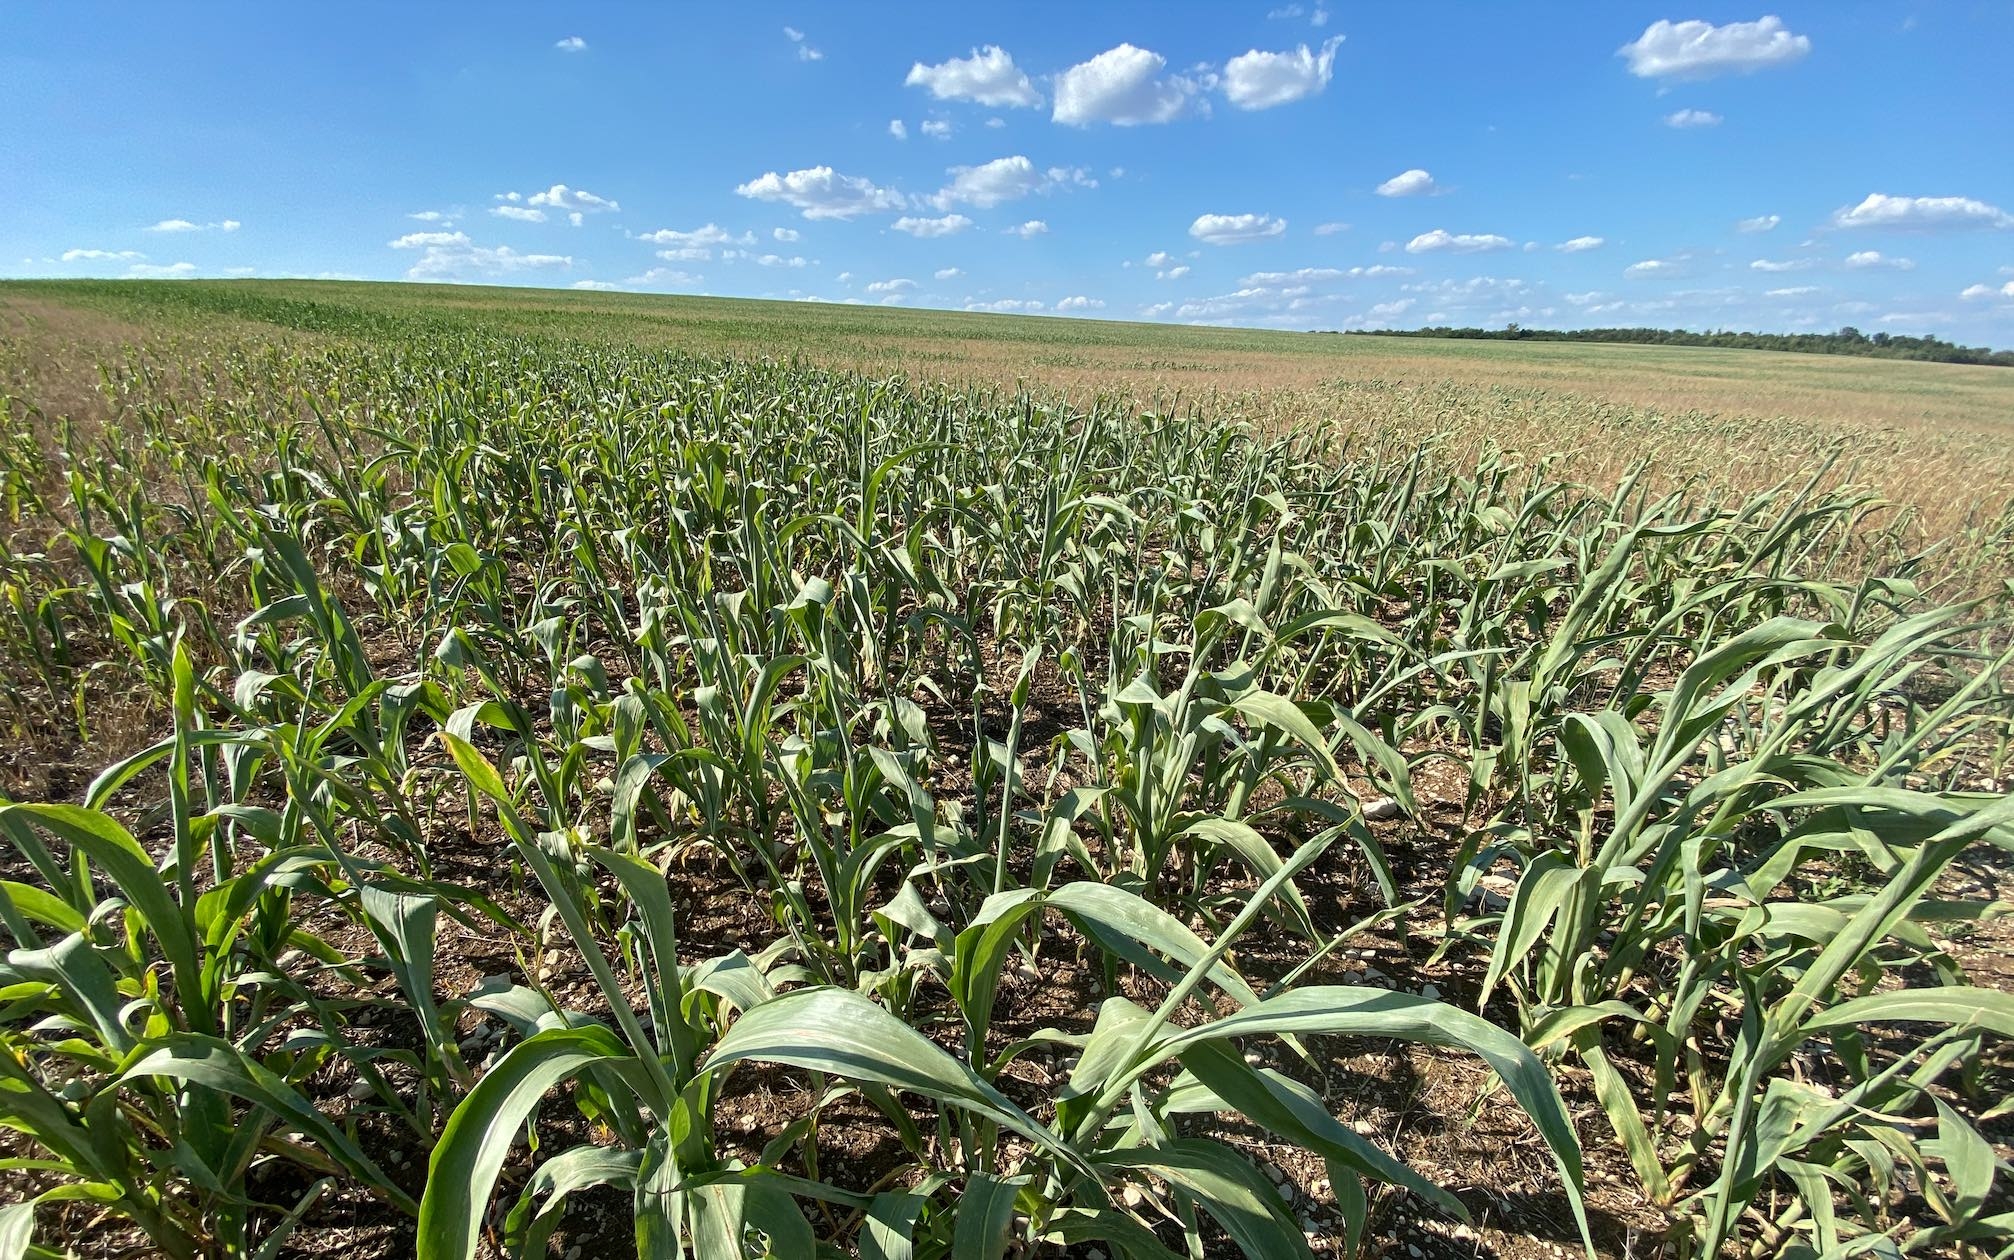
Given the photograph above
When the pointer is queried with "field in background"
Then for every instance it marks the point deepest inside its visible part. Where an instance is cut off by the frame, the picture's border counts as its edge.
(1935, 440)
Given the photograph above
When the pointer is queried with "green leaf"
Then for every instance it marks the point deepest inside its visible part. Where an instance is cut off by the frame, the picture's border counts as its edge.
(214, 1064)
(479, 1134)
(1228, 1187)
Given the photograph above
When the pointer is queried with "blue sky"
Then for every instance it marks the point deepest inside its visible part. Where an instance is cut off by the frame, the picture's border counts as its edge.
(1299, 164)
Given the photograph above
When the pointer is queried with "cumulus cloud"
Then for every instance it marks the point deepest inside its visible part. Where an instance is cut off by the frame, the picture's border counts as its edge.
(805, 52)
(573, 200)
(523, 214)
(1441, 241)
(710, 235)
(1687, 118)
(1330, 229)
(988, 77)
(663, 277)
(1973, 292)
(1872, 258)
(1788, 264)
(936, 128)
(1760, 223)
(819, 192)
(1172, 273)
(596, 286)
(785, 235)
(1700, 50)
(1261, 80)
(1412, 183)
(898, 129)
(1922, 213)
(1650, 267)
(1235, 229)
(901, 284)
(1027, 231)
(1081, 303)
(103, 255)
(165, 271)
(1580, 244)
(946, 273)
(1004, 179)
(919, 227)
(431, 216)
(1122, 86)
(423, 240)
(460, 261)
(1006, 306)
(184, 225)
(572, 43)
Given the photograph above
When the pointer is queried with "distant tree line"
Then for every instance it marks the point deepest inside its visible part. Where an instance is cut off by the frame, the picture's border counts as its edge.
(1848, 340)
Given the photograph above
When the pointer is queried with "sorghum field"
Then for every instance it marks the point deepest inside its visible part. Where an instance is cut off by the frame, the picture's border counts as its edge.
(521, 774)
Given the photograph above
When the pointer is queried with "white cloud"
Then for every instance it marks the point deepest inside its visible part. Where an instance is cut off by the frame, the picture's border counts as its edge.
(183, 225)
(662, 277)
(103, 255)
(1299, 282)
(898, 285)
(424, 240)
(786, 235)
(1005, 179)
(1788, 264)
(1160, 258)
(936, 128)
(572, 43)
(1795, 291)
(430, 216)
(1026, 231)
(560, 197)
(520, 213)
(1261, 80)
(1699, 50)
(1649, 267)
(707, 236)
(819, 192)
(1412, 183)
(1330, 229)
(898, 129)
(168, 271)
(1440, 240)
(1172, 273)
(1870, 258)
(946, 273)
(775, 260)
(1580, 244)
(1973, 292)
(1319, 18)
(1005, 305)
(1235, 229)
(805, 52)
(596, 286)
(464, 261)
(1760, 223)
(1686, 118)
(1081, 303)
(988, 77)
(1925, 213)
(996, 123)
(919, 227)
(1122, 86)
